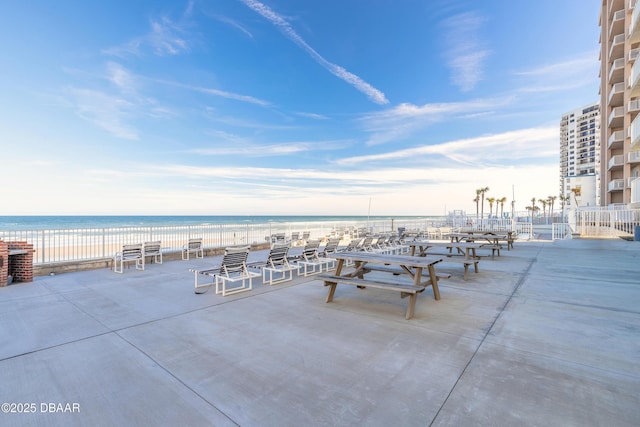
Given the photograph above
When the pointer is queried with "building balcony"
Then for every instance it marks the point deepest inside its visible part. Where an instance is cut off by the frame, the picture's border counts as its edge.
(616, 117)
(634, 28)
(616, 185)
(617, 23)
(617, 46)
(633, 157)
(616, 96)
(634, 79)
(634, 132)
(635, 190)
(616, 74)
(616, 139)
(616, 162)
(633, 107)
(633, 54)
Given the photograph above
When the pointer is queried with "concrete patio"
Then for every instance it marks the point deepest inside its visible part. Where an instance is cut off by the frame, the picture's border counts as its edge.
(548, 334)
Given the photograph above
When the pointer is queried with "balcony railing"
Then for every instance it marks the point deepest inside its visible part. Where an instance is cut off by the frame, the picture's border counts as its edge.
(616, 95)
(617, 23)
(616, 138)
(634, 29)
(616, 74)
(634, 157)
(634, 131)
(617, 46)
(616, 185)
(634, 106)
(616, 161)
(635, 189)
(616, 117)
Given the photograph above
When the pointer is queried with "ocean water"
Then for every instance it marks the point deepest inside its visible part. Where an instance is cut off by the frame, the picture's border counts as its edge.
(36, 222)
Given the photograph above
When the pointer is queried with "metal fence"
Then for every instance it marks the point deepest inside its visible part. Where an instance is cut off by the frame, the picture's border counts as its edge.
(82, 244)
(600, 223)
(561, 231)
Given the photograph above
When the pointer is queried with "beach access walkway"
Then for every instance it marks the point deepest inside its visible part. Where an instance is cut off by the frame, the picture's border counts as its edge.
(548, 334)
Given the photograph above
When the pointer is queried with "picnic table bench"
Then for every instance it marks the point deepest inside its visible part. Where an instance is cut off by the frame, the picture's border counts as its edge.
(366, 262)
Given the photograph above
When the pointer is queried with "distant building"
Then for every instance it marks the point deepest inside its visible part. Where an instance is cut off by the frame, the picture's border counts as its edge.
(620, 102)
(580, 156)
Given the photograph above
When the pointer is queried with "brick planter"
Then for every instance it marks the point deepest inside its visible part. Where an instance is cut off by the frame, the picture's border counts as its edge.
(4, 262)
(16, 260)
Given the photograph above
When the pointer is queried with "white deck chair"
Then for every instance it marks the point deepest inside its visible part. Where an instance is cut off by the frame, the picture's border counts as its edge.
(277, 268)
(193, 246)
(233, 269)
(128, 254)
(153, 249)
(309, 262)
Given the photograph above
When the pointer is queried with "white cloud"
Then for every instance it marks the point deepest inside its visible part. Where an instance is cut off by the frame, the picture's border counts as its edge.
(579, 71)
(374, 94)
(234, 24)
(489, 149)
(403, 120)
(464, 52)
(163, 39)
(106, 111)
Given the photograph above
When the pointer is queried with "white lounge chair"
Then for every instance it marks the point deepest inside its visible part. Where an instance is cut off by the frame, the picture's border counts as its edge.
(277, 268)
(233, 269)
(309, 262)
(128, 254)
(153, 249)
(193, 246)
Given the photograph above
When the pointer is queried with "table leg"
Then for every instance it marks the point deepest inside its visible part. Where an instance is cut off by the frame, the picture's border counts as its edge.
(434, 282)
(332, 285)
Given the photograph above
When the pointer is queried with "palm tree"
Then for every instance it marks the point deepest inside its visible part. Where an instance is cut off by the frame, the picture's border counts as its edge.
(533, 207)
(552, 201)
(502, 201)
(482, 191)
(544, 207)
(577, 191)
(477, 200)
(563, 199)
(491, 201)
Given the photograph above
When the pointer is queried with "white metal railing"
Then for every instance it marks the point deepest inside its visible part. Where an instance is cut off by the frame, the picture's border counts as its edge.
(84, 244)
(561, 231)
(524, 230)
(599, 223)
(634, 157)
(634, 105)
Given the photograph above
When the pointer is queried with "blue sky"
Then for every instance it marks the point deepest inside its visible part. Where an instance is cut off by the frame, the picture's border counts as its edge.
(285, 106)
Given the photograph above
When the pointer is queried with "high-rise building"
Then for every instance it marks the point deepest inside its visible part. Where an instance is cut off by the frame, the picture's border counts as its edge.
(620, 102)
(580, 156)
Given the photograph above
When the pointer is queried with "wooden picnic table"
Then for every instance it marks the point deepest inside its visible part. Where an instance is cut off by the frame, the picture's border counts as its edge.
(365, 262)
(466, 248)
(492, 238)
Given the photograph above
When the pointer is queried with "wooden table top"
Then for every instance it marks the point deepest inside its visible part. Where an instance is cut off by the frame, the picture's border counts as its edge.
(406, 260)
